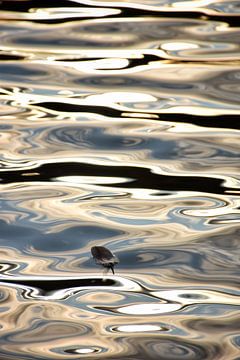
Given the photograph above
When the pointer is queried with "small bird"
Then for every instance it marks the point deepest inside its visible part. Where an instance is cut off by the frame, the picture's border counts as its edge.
(104, 257)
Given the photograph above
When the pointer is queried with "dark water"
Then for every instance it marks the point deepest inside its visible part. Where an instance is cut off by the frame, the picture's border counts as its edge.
(120, 128)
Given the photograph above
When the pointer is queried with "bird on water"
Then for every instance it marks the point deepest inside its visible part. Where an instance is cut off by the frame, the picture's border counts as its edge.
(104, 257)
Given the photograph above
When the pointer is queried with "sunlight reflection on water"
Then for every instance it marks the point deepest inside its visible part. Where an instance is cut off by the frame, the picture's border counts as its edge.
(119, 128)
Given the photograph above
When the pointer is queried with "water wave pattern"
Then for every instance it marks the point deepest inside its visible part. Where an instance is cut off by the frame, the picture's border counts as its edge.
(120, 128)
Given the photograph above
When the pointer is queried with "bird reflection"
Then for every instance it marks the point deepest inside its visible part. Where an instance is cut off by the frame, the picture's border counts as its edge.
(104, 257)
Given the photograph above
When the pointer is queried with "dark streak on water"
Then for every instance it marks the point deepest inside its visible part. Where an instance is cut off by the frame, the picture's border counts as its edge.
(138, 177)
(119, 128)
(218, 121)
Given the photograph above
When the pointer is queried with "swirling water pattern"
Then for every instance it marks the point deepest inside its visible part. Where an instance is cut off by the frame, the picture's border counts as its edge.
(119, 128)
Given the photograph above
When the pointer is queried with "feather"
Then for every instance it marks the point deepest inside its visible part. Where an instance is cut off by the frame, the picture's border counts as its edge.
(104, 257)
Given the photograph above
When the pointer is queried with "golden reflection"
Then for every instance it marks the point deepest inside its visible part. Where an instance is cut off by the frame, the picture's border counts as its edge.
(112, 65)
(53, 329)
(121, 97)
(140, 115)
(56, 202)
(160, 100)
(171, 46)
(101, 297)
(91, 180)
(138, 328)
(209, 7)
(39, 327)
(122, 44)
(85, 351)
(149, 309)
(197, 296)
(94, 95)
(192, 4)
(30, 174)
(70, 12)
(58, 13)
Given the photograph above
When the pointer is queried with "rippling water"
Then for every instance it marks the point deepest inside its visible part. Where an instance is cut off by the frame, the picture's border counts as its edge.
(120, 128)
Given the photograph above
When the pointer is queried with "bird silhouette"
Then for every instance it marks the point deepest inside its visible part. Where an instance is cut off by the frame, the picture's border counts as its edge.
(104, 257)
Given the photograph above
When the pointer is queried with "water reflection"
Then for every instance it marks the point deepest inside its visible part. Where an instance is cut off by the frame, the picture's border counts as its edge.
(40, 325)
(212, 41)
(137, 328)
(119, 128)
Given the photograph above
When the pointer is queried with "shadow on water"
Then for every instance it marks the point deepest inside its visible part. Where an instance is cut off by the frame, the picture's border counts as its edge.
(139, 177)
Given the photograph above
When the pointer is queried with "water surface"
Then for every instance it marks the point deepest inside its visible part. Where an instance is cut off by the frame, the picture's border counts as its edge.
(119, 128)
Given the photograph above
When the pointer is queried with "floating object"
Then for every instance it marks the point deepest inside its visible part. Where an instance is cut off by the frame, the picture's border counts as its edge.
(104, 257)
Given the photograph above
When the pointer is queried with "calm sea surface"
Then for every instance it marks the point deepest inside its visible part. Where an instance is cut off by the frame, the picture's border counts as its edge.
(120, 128)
